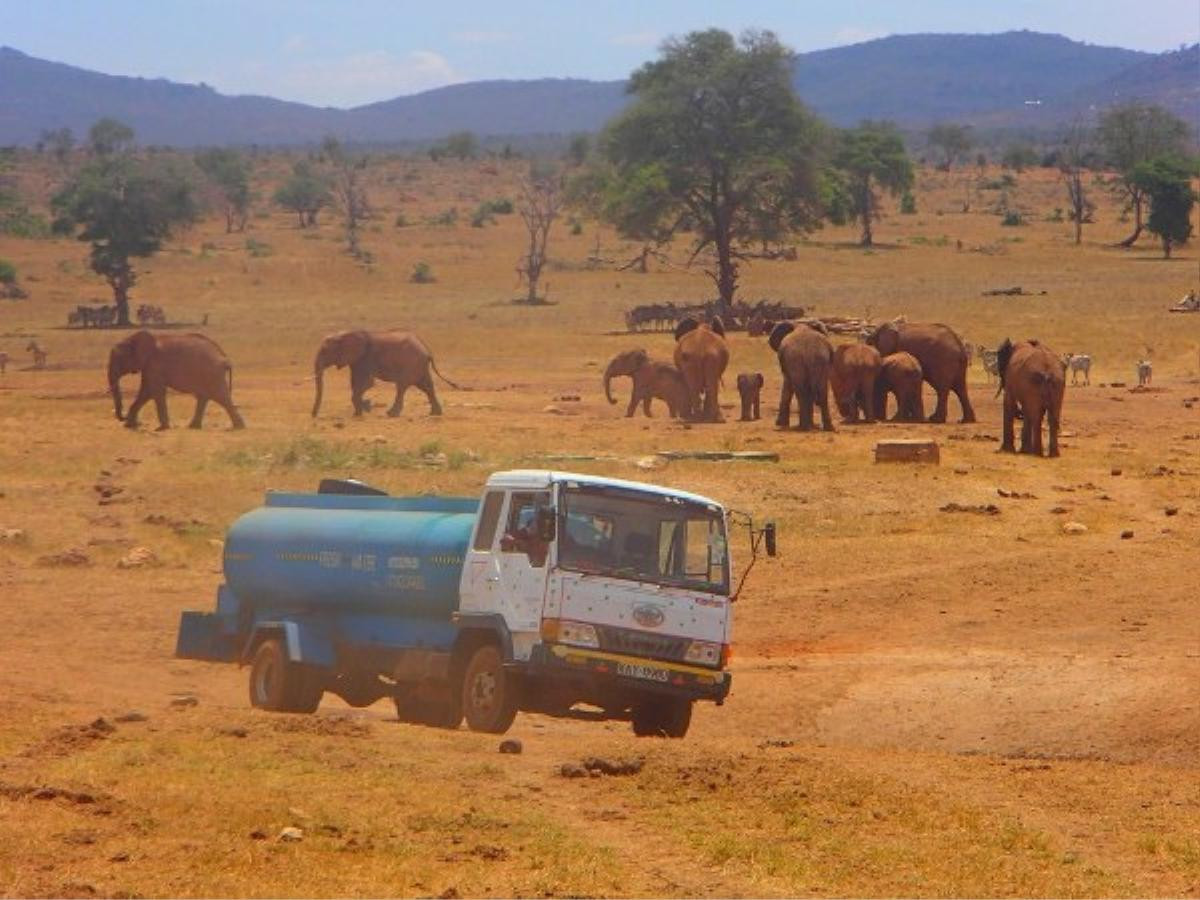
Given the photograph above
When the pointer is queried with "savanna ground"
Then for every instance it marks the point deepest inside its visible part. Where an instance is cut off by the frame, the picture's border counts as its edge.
(924, 702)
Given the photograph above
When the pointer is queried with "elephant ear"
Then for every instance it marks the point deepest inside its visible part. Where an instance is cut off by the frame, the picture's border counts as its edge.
(717, 325)
(1003, 354)
(686, 325)
(344, 348)
(778, 333)
(142, 346)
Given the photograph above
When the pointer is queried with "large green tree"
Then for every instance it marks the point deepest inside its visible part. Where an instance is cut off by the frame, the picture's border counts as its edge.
(715, 144)
(869, 157)
(1134, 133)
(306, 193)
(108, 136)
(229, 173)
(126, 207)
(1167, 183)
(951, 142)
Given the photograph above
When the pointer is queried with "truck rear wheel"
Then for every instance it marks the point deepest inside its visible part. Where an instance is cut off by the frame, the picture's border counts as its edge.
(489, 693)
(280, 685)
(662, 717)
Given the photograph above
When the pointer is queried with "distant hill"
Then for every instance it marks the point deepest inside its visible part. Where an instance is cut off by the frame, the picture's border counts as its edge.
(911, 79)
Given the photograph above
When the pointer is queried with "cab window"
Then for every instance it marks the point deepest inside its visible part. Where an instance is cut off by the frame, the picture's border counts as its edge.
(521, 532)
(489, 517)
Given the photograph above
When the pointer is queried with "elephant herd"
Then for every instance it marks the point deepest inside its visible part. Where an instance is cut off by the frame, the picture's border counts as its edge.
(194, 364)
(894, 359)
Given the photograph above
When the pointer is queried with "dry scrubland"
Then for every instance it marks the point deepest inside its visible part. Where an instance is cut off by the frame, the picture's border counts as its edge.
(924, 703)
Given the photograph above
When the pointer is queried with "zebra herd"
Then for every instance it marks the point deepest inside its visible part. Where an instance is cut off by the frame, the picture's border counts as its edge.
(105, 316)
(665, 316)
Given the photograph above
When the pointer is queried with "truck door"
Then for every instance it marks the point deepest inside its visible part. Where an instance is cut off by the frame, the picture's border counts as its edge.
(481, 574)
(523, 561)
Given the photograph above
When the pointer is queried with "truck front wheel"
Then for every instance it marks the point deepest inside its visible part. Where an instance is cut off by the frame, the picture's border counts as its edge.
(280, 685)
(662, 717)
(489, 693)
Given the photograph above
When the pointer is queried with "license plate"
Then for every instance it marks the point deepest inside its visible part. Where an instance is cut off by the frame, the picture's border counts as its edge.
(650, 673)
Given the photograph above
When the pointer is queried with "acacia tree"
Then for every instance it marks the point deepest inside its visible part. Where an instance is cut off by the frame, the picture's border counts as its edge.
(108, 136)
(715, 144)
(229, 173)
(867, 157)
(1132, 134)
(1167, 183)
(539, 206)
(305, 193)
(126, 208)
(951, 141)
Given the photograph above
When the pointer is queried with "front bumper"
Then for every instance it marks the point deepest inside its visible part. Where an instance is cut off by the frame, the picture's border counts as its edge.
(598, 671)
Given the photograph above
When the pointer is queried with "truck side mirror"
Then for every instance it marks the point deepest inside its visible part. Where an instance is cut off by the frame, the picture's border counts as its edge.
(547, 523)
(769, 537)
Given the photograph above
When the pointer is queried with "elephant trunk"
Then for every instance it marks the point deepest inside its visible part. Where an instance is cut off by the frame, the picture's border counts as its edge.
(319, 375)
(608, 377)
(114, 387)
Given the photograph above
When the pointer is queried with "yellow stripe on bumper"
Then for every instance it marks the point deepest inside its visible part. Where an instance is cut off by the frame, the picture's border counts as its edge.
(564, 652)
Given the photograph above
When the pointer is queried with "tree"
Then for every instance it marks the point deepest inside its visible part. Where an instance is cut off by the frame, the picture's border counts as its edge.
(1132, 134)
(871, 156)
(349, 191)
(715, 144)
(305, 193)
(1167, 183)
(462, 145)
(126, 207)
(108, 136)
(1072, 163)
(539, 205)
(1019, 157)
(952, 143)
(229, 173)
(59, 142)
(578, 149)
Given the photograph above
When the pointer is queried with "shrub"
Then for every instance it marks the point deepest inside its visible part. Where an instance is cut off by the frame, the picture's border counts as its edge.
(257, 249)
(22, 223)
(501, 206)
(1056, 216)
(1012, 219)
(422, 274)
(576, 226)
(446, 219)
(908, 204)
(401, 220)
(8, 272)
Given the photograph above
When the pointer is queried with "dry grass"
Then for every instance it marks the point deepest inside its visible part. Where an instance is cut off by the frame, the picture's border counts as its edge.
(925, 703)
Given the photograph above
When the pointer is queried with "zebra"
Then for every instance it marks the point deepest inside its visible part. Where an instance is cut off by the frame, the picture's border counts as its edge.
(39, 355)
(990, 360)
(1079, 362)
(1144, 372)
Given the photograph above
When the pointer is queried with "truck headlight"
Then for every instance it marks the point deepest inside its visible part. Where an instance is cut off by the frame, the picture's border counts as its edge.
(704, 653)
(564, 631)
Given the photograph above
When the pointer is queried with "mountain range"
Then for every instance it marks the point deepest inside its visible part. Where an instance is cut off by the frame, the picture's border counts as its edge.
(1017, 79)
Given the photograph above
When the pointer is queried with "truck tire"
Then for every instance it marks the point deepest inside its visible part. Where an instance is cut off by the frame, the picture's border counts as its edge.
(662, 717)
(489, 693)
(279, 685)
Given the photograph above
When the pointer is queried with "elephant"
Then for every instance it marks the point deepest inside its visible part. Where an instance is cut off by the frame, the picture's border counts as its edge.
(750, 385)
(1034, 380)
(900, 374)
(805, 359)
(852, 378)
(942, 355)
(701, 356)
(651, 379)
(190, 363)
(397, 356)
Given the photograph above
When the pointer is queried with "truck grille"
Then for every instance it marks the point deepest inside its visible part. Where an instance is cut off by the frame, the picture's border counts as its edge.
(641, 643)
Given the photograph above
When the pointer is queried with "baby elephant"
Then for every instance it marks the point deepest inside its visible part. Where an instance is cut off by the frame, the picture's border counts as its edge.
(750, 385)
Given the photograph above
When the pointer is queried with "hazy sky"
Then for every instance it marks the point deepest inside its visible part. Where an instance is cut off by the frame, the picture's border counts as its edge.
(347, 52)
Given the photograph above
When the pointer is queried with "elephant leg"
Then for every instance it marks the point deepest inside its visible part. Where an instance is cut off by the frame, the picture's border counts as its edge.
(1052, 415)
(160, 406)
(756, 408)
(868, 400)
(784, 418)
(234, 416)
(198, 415)
(943, 401)
(823, 405)
(425, 386)
(806, 408)
(960, 391)
(1028, 416)
(646, 404)
(398, 404)
(1006, 442)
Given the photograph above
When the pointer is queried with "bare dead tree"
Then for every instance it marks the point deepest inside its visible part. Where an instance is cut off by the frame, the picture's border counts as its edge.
(540, 203)
(1071, 166)
(349, 190)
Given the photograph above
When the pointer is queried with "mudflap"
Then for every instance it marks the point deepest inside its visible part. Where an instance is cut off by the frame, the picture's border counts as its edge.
(203, 636)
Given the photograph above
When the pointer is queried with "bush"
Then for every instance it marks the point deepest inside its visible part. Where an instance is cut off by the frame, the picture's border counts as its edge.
(1012, 219)
(257, 249)
(8, 272)
(401, 220)
(22, 223)
(1056, 216)
(501, 206)
(446, 219)
(908, 204)
(422, 274)
(576, 226)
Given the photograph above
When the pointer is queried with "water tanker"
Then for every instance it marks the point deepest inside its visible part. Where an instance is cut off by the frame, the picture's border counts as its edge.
(552, 592)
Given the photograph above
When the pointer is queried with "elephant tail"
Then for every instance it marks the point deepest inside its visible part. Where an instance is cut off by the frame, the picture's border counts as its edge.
(433, 366)
(229, 377)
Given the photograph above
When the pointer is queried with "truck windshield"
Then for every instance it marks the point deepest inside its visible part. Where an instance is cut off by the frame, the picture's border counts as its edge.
(644, 537)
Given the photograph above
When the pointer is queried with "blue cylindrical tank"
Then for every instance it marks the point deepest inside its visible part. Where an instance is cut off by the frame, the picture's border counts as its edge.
(342, 553)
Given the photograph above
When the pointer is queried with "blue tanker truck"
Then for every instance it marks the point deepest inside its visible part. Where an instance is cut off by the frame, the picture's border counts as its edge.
(552, 592)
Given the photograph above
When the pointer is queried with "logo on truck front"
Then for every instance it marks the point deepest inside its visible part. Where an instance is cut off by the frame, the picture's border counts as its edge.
(648, 616)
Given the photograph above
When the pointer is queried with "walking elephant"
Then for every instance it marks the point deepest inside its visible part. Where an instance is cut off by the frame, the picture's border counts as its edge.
(1033, 379)
(396, 356)
(190, 363)
(750, 385)
(852, 378)
(701, 356)
(900, 374)
(805, 359)
(942, 355)
(651, 380)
